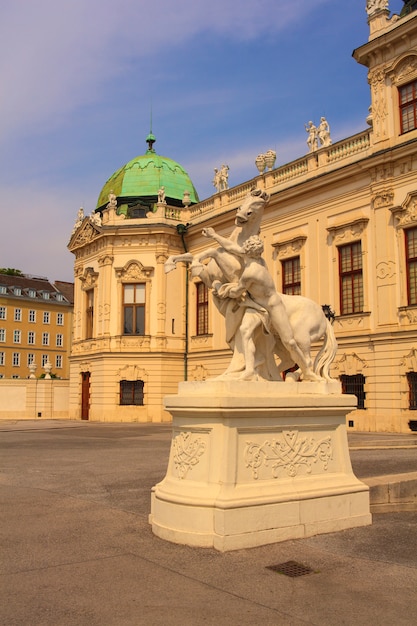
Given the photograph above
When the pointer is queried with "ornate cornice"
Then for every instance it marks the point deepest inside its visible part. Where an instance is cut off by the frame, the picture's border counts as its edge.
(289, 247)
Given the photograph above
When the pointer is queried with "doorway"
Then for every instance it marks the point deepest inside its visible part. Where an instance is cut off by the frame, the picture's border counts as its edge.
(85, 395)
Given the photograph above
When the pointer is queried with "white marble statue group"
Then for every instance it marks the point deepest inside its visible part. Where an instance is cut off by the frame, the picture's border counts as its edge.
(318, 135)
(221, 178)
(260, 322)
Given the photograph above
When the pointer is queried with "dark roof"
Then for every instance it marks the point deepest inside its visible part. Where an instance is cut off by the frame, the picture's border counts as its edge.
(39, 285)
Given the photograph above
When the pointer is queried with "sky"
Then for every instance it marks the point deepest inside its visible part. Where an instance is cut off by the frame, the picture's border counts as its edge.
(225, 80)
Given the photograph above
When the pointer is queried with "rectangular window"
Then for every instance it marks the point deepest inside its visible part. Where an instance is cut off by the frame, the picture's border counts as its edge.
(17, 335)
(60, 319)
(32, 315)
(16, 359)
(45, 339)
(18, 315)
(411, 262)
(59, 340)
(31, 337)
(32, 293)
(58, 361)
(2, 358)
(131, 392)
(408, 107)
(2, 335)
(351, 280)
(291, 276)
(202, 309)
(3, 312)
(44, 360)
(134, 309)
(89, 314)
(354, 385)
(46, 317)
(31, 358)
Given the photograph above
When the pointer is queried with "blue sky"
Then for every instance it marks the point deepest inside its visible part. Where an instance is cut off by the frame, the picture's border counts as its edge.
(226, 80)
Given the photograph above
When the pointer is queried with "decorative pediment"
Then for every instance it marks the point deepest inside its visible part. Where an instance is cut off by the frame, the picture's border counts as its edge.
(409, 361)
(289, 247)
(405, 70)
(348, 231)
(131, 372)
(89, 278)
(383, 198)
(86, 233)
(133, 271)
(349, 364)
(406, 214)
(198, 373)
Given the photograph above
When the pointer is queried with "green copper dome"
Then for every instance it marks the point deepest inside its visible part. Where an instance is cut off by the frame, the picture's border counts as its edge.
(138, 181)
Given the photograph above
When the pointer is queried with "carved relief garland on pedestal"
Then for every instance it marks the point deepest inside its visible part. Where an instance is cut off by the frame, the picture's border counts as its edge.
(187, 450)
(289, 453)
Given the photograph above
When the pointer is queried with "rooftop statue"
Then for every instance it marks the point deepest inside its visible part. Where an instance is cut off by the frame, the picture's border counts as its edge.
(376, 5)
(312, 139)
(221, 178)
(79, 220)
(161, 195)
(323, 133)
(259, 320)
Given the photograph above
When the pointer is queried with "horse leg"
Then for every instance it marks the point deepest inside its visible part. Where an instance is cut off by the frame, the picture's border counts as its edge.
(171, 262)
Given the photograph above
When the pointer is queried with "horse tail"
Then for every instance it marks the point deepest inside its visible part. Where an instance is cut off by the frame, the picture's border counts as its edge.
(326, 354)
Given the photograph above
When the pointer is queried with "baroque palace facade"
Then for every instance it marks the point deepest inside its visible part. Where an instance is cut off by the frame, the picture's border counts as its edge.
(340, 228)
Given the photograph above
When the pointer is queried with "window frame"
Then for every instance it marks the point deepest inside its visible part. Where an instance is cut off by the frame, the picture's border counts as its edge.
(202, 309)
(293, 287)
(410, 104)
(354, 384)
(131, 390)
(137, 309)
(356, 291)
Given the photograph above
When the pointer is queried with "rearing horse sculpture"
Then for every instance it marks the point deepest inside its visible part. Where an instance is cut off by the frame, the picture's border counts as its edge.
(306, 318)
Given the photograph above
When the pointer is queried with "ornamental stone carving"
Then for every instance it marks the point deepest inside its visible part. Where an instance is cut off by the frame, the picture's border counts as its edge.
(345, 233)
(290, 246)
(409, 361)
(383, 198)
(405, 71)
(350, 364)
(289, 455)
(198, 373)
(131, 372)
(385, 270)
(133, 271)
(89, 279)
(373, 6)
(406, 214)
(187, 449)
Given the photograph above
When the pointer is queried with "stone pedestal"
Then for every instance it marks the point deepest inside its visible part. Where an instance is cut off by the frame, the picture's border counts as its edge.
(253, 463)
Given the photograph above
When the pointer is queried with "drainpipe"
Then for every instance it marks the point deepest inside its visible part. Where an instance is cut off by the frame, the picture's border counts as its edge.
(182, 230)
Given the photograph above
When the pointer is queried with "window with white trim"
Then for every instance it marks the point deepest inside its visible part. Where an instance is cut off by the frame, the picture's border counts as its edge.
(31, 337)
(31, 358)
(17, 336)
(3, 312)
(18, 315)
(46, 317)
(58, 361)
(45, 339)
(2, 335)
(2, 358)
(44, 360)
(59, 340)
(16, 359)
(60, 319)
(32, 315)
